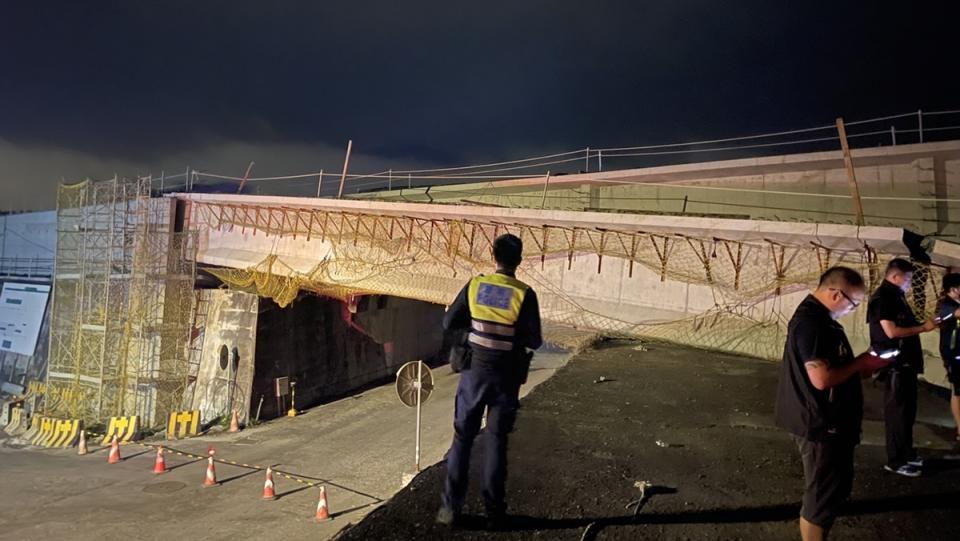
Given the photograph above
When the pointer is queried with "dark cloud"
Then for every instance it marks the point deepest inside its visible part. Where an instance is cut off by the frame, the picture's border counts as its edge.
(451, 82)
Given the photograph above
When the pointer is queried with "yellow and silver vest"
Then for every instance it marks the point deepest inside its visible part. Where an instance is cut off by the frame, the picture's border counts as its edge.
(495, 301)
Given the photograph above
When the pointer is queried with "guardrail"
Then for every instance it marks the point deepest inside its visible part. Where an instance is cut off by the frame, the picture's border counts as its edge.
(26, 267)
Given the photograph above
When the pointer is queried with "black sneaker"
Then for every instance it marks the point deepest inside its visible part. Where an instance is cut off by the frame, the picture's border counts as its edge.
(916, 462)
(954, 452)
(496, 522)
(446, 517)
(906, 470)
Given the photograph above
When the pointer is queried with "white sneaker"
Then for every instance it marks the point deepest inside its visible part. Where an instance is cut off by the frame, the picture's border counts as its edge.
(906, 470)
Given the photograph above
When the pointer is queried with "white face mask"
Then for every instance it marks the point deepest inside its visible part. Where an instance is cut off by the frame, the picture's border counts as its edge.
(907, 280)
(842, 312)
(846, 304)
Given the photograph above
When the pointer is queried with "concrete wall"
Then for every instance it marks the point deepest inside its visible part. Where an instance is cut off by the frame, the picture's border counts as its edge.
(749, 318)
(311, 342)
(682, 312)
(30, 234)
(329, 351)
(738, 196)
(27, 240)
(892, 180)
(408, 330)
(231, 323)
(896, 183)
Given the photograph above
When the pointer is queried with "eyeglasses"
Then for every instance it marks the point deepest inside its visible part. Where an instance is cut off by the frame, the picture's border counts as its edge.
(852, 302)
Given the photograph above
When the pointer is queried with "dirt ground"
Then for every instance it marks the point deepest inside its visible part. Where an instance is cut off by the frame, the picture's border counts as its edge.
(720, 471)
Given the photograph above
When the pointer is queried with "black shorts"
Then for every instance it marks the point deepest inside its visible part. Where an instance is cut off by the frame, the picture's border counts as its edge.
(828, 478)
(953, 376)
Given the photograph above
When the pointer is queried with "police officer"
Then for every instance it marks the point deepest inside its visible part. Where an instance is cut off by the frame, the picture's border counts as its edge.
(948, 314)
(503, 317)
(820, 397)
(894, 327)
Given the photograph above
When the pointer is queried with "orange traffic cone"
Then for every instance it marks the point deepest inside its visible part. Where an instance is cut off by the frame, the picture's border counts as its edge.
(268, 493)
(82, 444)
(114, 455)
(234, 425)
(211, 478)
(323, 513)
(160, 465)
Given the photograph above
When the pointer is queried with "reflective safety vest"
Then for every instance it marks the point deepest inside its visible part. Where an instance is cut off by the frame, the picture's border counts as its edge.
(495, 301)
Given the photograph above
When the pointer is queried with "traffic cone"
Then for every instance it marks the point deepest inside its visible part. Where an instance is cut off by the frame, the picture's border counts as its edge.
(268, 493)
(114, 455)
(211, 478)
(82, 444)
(160, 465)
(234, 425)
(323, 513)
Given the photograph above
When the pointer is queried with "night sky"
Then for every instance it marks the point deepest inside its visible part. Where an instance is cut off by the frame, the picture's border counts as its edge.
(92, 88)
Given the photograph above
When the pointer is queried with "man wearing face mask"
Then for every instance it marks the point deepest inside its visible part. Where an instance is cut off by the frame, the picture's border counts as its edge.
(894, 327)
(948, 312)
(820, 397)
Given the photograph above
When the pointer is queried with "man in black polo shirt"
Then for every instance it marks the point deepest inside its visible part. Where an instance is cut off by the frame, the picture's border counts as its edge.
(820, 398)
(894, 327)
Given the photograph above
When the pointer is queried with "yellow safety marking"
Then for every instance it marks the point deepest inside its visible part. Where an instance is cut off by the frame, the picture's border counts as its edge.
(183, 424)
(46, 427)
(66, 433)
(52, 435)
(32, 430)
(16, 418)
(62, 430)
(124, 428)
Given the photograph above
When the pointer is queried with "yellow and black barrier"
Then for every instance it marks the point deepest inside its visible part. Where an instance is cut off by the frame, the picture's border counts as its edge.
(44, 431)
(32, 430)
(124, 428)
(66, 433)
(6, 409)
(17, 419)
(183, 424)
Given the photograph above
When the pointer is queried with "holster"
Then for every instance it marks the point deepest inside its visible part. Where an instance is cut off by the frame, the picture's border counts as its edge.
(523, 366)
(460, 353)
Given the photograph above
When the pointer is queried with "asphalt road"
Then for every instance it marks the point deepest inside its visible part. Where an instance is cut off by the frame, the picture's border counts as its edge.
(358, 448)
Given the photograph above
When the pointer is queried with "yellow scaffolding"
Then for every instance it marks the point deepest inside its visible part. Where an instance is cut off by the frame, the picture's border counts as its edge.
(122, 304)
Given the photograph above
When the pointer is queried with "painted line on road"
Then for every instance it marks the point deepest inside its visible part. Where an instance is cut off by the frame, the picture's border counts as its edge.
(290, 476)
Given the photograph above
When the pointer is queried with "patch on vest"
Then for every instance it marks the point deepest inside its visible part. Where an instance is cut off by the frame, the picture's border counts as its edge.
(494, 296)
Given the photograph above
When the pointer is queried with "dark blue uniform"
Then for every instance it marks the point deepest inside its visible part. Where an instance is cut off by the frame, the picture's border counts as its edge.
(503, 317)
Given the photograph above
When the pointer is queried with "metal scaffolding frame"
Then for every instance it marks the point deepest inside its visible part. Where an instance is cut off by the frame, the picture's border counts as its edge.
(122, 304)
